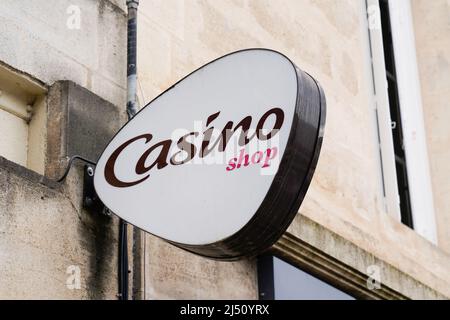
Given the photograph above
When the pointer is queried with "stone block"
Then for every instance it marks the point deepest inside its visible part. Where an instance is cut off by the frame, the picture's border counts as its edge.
(79, 123)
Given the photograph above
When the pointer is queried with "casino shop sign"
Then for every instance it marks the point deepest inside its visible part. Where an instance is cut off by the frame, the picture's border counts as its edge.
(219, 163)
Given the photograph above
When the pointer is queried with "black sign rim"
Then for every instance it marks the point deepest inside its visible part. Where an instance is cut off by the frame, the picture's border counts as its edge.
(276, 211)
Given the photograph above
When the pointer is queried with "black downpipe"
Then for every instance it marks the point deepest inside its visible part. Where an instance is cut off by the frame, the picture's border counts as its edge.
(123, 260)
(131, 111)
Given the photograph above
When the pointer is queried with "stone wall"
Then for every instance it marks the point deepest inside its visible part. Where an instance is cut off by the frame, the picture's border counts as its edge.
(44, 236)
(35, 39)
(44, 229)
(432, 26)
(328, 39)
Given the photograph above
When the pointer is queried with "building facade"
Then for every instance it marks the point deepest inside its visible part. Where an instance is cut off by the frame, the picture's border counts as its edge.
(375, 222)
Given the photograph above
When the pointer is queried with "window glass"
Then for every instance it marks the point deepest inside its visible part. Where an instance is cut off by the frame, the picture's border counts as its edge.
(281, 281)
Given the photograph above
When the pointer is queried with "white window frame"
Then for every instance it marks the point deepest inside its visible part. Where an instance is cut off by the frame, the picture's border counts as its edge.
(384, 122)
(24, 100)
(411, 111)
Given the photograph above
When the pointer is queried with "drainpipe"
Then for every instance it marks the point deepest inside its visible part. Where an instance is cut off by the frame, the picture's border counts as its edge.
(131, 111)
(131, 58)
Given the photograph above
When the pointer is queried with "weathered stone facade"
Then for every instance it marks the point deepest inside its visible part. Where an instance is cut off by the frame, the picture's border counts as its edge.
(44, 230)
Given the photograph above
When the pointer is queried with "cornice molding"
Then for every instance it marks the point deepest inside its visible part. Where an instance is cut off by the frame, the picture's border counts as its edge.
(311, 259)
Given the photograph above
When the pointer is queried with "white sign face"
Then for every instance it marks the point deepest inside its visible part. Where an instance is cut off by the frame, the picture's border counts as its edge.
(208, 159)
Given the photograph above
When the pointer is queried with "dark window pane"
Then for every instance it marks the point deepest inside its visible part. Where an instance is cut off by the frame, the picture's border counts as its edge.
(394, 105)
(283, 281)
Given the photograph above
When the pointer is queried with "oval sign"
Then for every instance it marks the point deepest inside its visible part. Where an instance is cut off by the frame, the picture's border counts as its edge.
(219, 163)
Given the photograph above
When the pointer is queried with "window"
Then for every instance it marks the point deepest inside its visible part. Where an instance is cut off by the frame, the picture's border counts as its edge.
(22, 120)
(398, 106)
(278, 280)
(396, 119)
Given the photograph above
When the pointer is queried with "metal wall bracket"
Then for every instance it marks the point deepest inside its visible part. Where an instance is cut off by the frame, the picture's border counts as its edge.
(91, 201)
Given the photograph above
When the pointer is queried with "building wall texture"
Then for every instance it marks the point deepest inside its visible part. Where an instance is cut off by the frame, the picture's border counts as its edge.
(44, 229)
(432, 25)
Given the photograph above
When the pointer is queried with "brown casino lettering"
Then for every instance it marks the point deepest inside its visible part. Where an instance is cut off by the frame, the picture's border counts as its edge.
(190, 150)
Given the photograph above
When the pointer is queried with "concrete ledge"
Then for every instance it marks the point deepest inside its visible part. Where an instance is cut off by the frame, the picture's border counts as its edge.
(310, 255)
(44, 235)
(27, 174)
